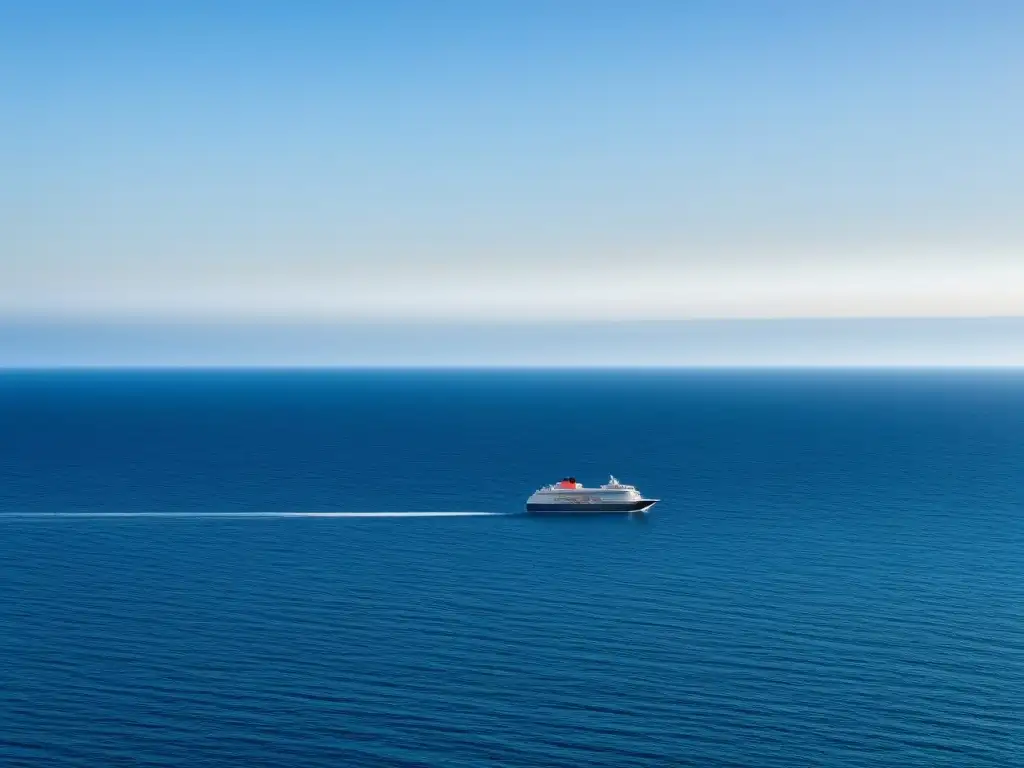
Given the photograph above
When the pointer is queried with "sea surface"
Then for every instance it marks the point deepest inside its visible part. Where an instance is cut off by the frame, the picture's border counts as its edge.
(834, 575)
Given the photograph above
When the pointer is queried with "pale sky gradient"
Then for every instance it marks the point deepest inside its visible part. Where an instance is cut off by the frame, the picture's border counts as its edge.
(973, 342)
(545, 162)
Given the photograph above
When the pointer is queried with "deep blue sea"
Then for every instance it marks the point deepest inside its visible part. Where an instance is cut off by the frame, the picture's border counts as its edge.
(835, 575)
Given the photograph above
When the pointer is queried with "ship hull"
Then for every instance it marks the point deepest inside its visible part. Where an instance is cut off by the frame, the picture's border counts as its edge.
(591, 508)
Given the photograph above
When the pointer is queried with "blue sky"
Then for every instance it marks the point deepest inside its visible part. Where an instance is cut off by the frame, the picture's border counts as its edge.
(173, 164)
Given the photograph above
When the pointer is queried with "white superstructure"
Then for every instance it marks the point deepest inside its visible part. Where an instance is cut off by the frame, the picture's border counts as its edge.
(568, 495)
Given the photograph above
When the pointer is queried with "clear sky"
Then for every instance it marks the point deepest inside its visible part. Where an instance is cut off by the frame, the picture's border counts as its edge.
(467, 163)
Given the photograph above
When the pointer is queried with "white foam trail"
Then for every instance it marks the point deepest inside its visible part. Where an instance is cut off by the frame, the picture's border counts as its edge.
(235, 515)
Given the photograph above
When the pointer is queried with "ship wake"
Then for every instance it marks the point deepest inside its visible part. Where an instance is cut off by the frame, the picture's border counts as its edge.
(239, 515)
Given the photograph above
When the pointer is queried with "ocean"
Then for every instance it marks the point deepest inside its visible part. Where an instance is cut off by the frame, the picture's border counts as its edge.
(282, 568)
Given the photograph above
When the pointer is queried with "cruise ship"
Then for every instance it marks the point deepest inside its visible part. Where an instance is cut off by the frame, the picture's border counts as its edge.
(568, 495)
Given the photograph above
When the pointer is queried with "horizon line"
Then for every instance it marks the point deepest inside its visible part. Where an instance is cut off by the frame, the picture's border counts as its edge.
(398, 367)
